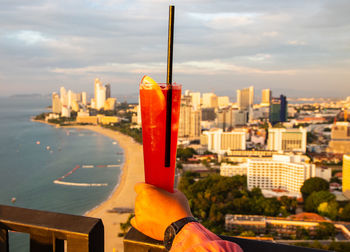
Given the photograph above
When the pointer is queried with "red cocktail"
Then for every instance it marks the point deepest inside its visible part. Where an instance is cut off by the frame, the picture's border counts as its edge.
(153, 99)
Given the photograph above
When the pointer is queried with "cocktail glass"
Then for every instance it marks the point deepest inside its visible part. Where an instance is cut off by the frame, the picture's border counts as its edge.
(153, 99)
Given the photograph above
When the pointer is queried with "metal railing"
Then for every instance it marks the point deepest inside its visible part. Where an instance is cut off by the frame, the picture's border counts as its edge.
(135, 241)
(50, 231)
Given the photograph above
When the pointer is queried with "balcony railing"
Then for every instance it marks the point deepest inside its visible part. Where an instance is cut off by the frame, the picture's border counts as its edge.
(55, 232)
(51, 232)
(135, 241)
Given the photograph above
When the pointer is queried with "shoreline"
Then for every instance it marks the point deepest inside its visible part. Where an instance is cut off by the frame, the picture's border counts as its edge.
(123, 195)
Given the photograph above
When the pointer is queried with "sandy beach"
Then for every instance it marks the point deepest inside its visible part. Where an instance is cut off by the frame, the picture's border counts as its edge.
(124, 195)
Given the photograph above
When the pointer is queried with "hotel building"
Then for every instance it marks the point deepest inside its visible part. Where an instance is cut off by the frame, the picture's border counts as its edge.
(281, 139)
(220, 142)
(340, 138)
(282, 172)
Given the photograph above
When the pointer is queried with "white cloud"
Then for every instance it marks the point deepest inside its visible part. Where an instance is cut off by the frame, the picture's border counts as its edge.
(29, 37)
(297, 43)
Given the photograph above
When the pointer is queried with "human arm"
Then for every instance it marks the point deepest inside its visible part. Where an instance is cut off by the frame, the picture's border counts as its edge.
(156, 209)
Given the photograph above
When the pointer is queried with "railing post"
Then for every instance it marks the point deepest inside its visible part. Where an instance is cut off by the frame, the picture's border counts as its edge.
(40, 242)
(4, 240)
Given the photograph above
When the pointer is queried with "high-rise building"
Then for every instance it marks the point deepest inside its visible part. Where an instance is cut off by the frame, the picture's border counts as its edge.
(210, 100)
(75, 106)
(266, 97)
(282, 139)
(64, 96)
(108, 90)
(65, 111)
(84, 98)
(239, 117)
(223, 101)
(190, 118)
(245, 98)
(346, 175)
(282, 172)
(56, 103)
(100, 95)
(220, 142)
(196, 99)
(224, 118)
(340, 138)
(208, 114)
(278, 110)
(71, 98)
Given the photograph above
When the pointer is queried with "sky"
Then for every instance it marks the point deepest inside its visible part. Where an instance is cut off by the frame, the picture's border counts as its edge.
(298, 48)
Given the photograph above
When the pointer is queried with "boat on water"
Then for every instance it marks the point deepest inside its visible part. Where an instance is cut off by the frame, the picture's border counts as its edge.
(13, 200)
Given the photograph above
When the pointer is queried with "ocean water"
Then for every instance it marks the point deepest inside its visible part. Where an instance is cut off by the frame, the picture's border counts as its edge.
(28, 169)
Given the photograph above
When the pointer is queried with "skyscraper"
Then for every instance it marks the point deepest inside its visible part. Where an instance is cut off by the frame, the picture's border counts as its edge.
(84, 98)
(278, 110)
(100, 94)
(189, 122)
(265, 97)
(196, 100)
(245, 98)
(64, 96)
(223, 101)
(56, 103)
(108, 90)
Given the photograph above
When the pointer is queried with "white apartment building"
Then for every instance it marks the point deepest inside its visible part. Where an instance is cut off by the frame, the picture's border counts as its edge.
(282, 172)
(63, 96)
(282, 139)
(100, 94)
(220, 142)
(230, 170)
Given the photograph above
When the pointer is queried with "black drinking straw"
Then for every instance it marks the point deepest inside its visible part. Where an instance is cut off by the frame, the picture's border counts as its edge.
(169, 85)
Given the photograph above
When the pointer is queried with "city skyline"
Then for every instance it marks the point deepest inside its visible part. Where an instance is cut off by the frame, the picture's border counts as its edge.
(220, 47)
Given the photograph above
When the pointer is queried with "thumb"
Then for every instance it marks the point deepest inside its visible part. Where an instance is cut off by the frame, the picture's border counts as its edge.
(133, 222)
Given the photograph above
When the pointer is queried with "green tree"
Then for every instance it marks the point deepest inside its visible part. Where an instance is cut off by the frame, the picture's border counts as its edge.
(316, 198)
(314, 184)
(248, 233)
(185, 153)
(329, 209)
(345, 213)
(325, 230)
